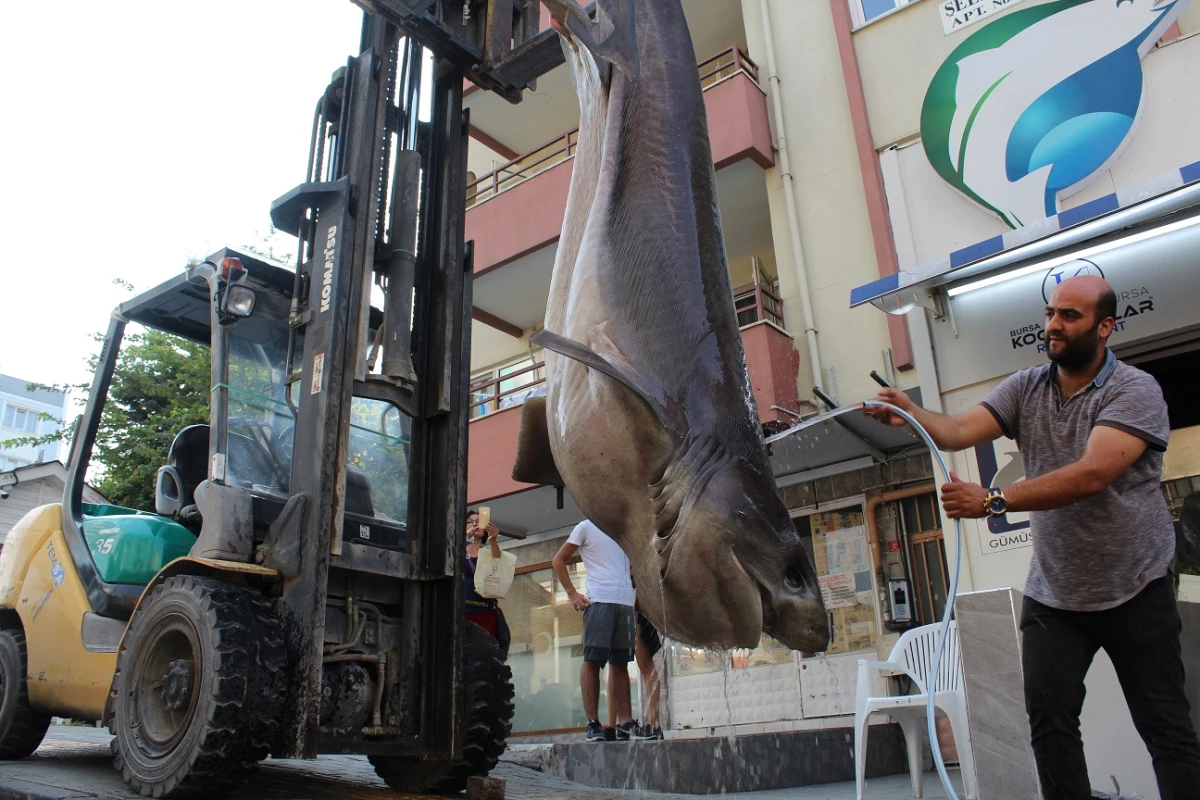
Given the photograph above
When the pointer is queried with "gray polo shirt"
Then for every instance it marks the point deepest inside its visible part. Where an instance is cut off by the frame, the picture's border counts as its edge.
(1101, 551)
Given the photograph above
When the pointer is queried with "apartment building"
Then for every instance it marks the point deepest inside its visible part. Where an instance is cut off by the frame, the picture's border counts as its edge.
(21, 411)
(830, 203)
(30, 475)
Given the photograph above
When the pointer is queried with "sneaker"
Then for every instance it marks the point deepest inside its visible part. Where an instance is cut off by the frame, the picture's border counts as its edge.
(646, 733)
(610, 734)
(595, 732)
(626, 730)
(1098, 795)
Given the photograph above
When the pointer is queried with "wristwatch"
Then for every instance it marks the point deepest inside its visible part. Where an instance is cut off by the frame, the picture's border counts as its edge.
(995, 504)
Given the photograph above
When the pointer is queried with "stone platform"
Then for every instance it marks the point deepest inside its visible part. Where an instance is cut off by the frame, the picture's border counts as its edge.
(720, 765)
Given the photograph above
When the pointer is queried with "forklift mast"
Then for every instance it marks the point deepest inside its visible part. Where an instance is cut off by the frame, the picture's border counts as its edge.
(382, 207)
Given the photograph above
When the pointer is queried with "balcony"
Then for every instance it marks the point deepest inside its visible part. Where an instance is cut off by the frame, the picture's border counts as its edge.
(518, 207)
(496, 398)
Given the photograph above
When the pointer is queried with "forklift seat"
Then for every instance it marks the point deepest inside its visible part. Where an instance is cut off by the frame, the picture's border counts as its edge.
(187, 466)
(358, 492)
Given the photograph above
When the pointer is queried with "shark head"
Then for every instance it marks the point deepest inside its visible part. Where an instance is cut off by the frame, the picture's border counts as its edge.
(1035, 104)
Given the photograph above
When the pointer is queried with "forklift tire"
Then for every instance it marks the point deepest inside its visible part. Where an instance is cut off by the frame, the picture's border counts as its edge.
(489, 695)
(197, 695)
(21, 728)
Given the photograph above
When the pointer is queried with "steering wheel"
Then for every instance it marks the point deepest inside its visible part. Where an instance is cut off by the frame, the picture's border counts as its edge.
(252, 458)
(285, 444)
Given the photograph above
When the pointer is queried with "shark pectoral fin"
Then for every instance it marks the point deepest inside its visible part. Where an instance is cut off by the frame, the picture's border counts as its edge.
(535, 461)
(593, 360)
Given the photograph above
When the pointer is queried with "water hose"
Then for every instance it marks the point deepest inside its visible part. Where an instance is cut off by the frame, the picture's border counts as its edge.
(940, 651)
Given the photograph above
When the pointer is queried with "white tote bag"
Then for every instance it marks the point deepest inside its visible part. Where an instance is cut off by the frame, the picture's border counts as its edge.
(494, 572)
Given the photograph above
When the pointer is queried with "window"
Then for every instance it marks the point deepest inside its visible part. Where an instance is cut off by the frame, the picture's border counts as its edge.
(1177, 491)
(7, 464)
(927, 567)
(20, 419)
(867, 10)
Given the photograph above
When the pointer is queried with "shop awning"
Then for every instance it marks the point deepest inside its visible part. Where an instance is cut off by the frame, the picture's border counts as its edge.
(850, 441)
(1098, 225)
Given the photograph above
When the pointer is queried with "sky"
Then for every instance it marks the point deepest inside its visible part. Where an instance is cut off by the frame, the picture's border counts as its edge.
(137, 135)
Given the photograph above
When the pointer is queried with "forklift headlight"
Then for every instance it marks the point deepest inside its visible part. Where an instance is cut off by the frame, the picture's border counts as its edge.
(239, 301)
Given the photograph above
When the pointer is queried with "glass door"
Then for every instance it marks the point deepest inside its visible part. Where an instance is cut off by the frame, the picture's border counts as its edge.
(841, 556)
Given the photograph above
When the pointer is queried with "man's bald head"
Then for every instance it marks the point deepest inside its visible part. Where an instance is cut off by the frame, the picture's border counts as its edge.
(1087, 293)
(1081, 314)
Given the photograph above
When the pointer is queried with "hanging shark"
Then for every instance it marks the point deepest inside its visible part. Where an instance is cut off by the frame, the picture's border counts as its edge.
(648, 418)
(1030, 107)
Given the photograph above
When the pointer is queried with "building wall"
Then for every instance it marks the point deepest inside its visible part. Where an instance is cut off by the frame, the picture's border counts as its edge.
(930, 219)
(24, 497)
(899, 53)
(836, 245)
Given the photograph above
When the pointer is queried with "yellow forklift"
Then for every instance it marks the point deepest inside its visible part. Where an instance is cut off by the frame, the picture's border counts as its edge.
(297, 588)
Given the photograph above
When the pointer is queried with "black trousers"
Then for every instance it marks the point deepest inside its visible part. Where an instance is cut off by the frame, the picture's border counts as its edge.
(1141, 638)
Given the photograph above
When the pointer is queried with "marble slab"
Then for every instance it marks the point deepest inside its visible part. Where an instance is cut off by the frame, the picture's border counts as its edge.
(989, 638)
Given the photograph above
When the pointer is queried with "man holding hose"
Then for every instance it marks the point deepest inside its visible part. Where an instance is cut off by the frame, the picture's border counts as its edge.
(1091, 431)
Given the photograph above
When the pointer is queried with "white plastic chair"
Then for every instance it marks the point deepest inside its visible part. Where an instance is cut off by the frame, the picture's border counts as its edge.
(913, 656)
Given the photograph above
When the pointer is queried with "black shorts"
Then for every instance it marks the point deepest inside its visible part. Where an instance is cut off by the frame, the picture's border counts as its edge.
(608, 633)
(649, 635)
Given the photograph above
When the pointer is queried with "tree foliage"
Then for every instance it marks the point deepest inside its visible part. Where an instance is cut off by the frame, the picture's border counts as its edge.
(160, 385)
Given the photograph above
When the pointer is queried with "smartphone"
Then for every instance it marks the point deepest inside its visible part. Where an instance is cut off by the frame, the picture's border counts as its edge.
(485, 517)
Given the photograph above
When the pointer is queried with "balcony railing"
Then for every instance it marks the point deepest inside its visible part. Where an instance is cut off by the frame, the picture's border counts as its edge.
(726, 64)
(492, 393)
(756, 303)
(561, 148)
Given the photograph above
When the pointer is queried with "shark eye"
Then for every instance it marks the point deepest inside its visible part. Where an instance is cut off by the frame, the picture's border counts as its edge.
(793, 579)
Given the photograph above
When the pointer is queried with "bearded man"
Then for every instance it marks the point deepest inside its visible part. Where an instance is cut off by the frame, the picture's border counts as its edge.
(1091, 431)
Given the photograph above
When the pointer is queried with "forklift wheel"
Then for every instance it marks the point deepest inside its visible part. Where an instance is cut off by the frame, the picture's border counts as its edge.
(21, 728)
(489, 699)
(198, 691)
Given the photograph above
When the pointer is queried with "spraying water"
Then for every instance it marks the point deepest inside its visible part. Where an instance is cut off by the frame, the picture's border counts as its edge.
(953, 592)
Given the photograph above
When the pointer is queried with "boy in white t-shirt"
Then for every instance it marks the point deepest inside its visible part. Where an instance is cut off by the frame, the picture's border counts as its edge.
(608, 623)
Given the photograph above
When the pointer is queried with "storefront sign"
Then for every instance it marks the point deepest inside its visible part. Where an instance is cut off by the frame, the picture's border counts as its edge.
(1033, 106)
(1000, 465)
(997, 330)
(959, 14)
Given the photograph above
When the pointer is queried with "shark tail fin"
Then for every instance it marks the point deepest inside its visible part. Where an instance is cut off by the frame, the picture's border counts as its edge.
(611, 37)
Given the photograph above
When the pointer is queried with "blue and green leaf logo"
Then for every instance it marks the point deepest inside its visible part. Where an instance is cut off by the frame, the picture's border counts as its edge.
(1033, 105)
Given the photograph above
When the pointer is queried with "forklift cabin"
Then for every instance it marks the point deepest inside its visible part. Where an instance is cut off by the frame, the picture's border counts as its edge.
(329, 485)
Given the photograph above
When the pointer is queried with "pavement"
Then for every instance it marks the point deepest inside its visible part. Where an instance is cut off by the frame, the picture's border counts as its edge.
(74, 763)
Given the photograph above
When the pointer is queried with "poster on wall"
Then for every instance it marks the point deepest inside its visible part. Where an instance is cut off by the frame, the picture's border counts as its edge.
(837, 590)
(842, 559)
